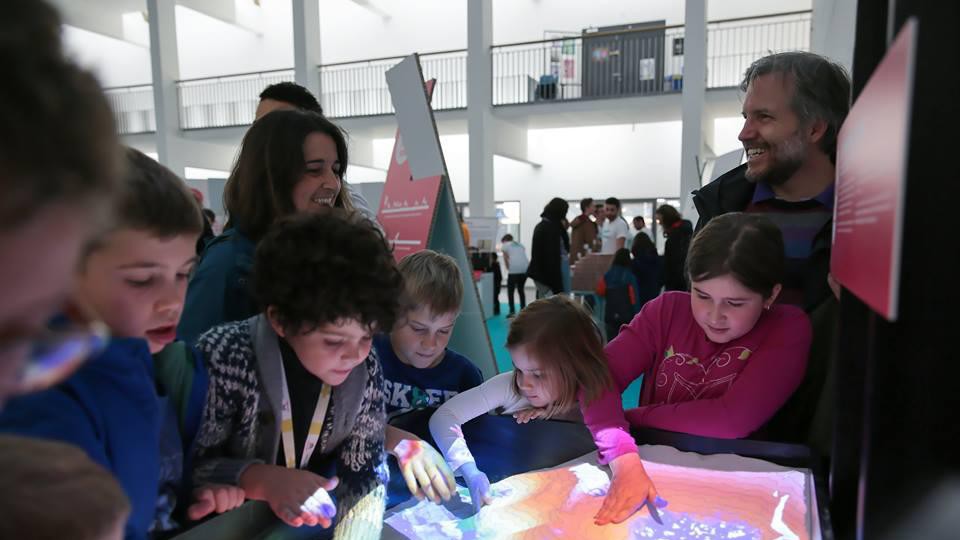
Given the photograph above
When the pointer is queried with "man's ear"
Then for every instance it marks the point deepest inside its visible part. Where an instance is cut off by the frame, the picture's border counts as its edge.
(275, 322)
(817, 130)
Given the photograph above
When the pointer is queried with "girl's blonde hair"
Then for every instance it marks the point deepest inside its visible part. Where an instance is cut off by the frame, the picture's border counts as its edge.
(567, 344)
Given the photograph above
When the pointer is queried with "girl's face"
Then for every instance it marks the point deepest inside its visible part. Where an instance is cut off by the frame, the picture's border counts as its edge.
(531, 378)
(725, 309)
(330, 352)
(320, 183)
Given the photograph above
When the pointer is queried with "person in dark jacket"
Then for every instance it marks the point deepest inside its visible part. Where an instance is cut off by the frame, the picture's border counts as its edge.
(793, 108)
(622, 293)
(549, 248)
(646, 268)
(678, 232)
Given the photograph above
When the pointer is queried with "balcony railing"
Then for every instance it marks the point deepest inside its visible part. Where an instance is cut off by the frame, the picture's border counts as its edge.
(360, 88)
(224, 101)
(133, 108)
(637, 62)
(733, 44)
(645, 61)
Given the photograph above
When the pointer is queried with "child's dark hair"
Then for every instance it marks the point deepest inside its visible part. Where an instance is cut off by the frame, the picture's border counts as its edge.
(154, 200)
(621, 258)
(36, 473)
(326, 267)
(563, 337)
(271, 162)
(58, 144)
(294, 94)
(642, 246)
(748, 247)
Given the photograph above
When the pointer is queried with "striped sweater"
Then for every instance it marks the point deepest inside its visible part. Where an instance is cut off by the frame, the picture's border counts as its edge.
(241, 424)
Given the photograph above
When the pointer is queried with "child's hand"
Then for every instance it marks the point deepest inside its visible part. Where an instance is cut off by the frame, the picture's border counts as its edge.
(217, 498)
(294, 495)
(629, 490)
(479, 485)
(527, 415)
(425, 470)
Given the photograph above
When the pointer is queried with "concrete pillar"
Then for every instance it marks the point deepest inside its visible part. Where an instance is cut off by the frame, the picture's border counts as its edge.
(692, 101)
(480, 124)
(306, 44)
(833, 30)
(165, 67)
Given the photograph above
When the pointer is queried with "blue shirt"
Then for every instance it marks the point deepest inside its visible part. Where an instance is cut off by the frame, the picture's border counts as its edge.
(110, 409)
(408, 388)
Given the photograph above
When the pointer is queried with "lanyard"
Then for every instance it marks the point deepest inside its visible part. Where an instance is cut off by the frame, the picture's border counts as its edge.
(286, 427)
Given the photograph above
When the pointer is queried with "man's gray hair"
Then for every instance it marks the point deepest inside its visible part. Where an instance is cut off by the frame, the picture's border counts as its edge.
(821, 89)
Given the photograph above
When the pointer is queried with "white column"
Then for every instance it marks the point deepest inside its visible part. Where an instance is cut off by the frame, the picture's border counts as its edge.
(165, 68)
(480, 124)
(833, 30)
(692, 101)
(306, 44)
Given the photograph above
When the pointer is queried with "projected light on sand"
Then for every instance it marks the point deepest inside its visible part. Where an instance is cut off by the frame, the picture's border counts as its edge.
(561, 503)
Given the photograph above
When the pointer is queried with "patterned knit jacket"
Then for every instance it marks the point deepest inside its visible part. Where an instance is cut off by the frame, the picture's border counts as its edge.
(241, 424)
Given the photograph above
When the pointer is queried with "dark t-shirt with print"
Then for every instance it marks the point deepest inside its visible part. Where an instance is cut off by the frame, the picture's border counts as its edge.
(408, 388)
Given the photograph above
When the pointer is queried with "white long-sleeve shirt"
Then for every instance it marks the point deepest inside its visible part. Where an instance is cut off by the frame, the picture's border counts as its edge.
(496, 393)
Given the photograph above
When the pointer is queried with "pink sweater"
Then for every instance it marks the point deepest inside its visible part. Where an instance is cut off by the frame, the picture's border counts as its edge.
(693, 385)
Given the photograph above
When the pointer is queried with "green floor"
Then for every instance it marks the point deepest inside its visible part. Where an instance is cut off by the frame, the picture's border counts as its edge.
(498, 325)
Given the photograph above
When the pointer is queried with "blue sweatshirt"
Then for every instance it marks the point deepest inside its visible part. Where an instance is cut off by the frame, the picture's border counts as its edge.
(111, 408)
(408, 388)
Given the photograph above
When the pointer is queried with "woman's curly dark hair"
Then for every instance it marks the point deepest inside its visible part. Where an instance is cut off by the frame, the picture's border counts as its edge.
(319, 268)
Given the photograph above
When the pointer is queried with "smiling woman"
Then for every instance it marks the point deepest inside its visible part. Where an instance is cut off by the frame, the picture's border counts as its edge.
(290, 162)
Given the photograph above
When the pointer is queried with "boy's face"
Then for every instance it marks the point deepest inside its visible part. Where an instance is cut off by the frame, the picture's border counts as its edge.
(136, 284)
(331, 351)
(420, 339)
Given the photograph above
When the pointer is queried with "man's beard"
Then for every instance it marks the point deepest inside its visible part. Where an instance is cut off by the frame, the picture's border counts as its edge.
(788, 157)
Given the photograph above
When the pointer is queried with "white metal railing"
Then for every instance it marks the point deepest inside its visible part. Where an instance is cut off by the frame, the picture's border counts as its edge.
(360, 88)
(132, 108)
(636, 62)
(224, 101)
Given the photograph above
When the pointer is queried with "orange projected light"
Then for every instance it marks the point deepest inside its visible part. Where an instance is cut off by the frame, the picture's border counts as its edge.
(560, 503)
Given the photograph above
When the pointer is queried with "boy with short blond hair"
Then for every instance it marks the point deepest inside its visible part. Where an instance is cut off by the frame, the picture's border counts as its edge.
(419, 370)
(132, 413)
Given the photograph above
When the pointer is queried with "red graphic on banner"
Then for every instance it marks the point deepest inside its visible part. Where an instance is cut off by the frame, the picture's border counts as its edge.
(408, 205)
(871, 179)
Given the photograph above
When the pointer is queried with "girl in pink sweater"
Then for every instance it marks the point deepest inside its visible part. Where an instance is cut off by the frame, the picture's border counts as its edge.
(718, 361)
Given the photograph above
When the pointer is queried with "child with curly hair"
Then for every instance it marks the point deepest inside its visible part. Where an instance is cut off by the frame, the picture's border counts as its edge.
(296, 392)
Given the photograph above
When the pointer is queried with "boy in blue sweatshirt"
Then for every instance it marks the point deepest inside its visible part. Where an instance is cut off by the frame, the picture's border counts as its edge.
(132, 412)
(420, 372)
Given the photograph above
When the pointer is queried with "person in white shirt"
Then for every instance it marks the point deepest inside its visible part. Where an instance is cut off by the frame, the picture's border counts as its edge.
(557, 351)
(515, 258)
(615, 230)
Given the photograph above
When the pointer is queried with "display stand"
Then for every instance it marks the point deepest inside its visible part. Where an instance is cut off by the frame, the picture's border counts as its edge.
(418, 210)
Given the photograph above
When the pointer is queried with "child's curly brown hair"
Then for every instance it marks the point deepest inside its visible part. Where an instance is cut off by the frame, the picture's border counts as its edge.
(320, 268)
